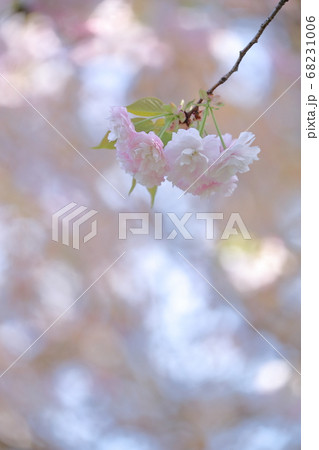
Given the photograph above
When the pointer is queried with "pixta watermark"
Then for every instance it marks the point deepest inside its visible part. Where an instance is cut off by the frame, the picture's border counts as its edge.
(67, 223)
(138, 223)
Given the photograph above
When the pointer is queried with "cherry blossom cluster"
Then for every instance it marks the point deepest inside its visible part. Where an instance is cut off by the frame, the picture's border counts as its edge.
(196, 162)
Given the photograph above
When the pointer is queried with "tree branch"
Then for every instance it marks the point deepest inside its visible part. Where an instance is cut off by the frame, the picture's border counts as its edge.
(195, 110)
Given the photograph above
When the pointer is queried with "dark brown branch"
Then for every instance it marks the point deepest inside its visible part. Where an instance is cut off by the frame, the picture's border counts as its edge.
(195, 110)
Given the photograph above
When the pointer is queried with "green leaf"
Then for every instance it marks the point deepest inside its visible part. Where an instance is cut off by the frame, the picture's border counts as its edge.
(164, 132)
(171, 108)
(166, 137)
(203, 94)
(147, 107)
(158, 125)
(142, 124)
(133, 186)
(152, 191)
(105, 143)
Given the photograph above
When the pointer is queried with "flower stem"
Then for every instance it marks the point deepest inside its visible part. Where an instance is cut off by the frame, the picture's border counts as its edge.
(153, 117)
(167, 124)
(218, 130)
(203, 122)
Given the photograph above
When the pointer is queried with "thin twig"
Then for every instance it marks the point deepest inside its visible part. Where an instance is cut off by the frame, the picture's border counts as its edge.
(195, 110)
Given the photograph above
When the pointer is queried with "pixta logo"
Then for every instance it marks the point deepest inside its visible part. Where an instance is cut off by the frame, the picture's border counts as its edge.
(235, 225)
(63, 220)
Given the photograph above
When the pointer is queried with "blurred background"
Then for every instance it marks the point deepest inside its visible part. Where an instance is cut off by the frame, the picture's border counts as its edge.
(150, 357)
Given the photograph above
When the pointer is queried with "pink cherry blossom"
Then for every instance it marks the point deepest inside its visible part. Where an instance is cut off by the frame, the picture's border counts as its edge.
(119, 124)
(142, 156)
(237, 157)
(201, 166)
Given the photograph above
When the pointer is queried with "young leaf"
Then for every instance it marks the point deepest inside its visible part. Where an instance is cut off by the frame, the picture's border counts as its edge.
(158, 129)
(171, 108)
(105, 143)
(166, 137)
(203, 94)
(133, 186)
(147, 107)
(142, 124)
(159, 125)
(152, 191)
